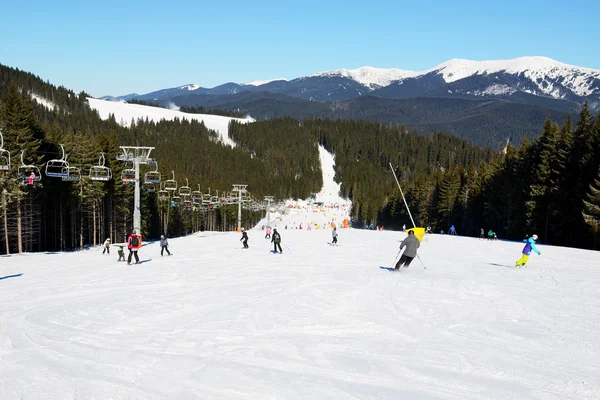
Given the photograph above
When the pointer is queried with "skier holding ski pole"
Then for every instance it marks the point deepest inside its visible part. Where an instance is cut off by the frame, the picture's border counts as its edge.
(410, 245)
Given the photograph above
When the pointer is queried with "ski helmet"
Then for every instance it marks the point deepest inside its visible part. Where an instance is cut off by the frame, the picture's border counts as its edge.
(411, 232)
(534, 237)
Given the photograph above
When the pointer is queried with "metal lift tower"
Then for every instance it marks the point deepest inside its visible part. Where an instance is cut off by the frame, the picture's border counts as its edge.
(137, 155)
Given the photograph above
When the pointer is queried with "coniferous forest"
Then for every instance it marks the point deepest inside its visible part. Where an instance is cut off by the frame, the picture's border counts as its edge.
(549, 186)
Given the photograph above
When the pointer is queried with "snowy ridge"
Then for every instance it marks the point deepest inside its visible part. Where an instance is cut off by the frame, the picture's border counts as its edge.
(263, 82)
(370, 76)
(125, 112)
(540, 70)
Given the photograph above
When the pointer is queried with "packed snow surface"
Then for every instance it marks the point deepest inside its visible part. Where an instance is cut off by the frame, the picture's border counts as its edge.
(316, 322)
(215, 321)
(125, 112)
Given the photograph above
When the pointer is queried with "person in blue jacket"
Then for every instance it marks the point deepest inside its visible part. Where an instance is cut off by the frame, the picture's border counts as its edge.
(529, 246)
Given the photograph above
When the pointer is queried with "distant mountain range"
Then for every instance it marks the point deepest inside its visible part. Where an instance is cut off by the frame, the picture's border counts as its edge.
(445, 95)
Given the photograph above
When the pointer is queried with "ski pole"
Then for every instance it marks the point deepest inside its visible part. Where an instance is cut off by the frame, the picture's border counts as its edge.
(421, 262)
(396, 258)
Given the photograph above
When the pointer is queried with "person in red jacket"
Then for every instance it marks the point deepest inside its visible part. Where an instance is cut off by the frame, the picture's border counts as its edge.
(133, 243)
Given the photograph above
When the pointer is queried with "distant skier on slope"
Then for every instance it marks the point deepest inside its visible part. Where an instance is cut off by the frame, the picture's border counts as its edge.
(411, 244)
(276, 240)
(268, 234)
(529, 246)
(164, 245)
(106, 246)
(334, 235)
(452, 230)
(244, 238)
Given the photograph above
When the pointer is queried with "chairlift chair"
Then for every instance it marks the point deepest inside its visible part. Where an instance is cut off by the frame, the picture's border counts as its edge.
(175, 201)
(25, 171)
(185, 190)
(171, 184)
(187, 203)
(163, 195)
(58, 168)
(100, 172)
(128, 176)
(152, 176)
(197, 194)
(4, 156)
(73, 175)
(149, 187)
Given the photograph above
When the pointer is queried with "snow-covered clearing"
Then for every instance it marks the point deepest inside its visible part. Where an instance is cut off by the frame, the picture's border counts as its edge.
(315, 322)
(125, 112)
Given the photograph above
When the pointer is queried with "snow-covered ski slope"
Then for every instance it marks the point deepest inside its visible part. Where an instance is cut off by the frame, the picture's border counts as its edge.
(316, 322)
(215, 321)
(125, 112)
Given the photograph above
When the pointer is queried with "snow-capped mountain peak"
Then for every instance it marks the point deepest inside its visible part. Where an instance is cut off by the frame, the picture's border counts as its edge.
(544, 72)
(370, 76)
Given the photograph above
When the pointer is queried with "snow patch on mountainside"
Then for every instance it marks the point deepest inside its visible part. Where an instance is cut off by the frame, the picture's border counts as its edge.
(371, 77)
(190, 87)
(263, 82)
(46, 103)
(125, 112)
(496, 90)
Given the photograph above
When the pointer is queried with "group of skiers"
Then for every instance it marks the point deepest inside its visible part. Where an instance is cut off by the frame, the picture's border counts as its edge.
(133, 245)
(275, 239)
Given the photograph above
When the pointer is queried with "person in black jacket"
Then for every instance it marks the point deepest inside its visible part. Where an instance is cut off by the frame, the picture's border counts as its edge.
(244, 238)
(276, 240)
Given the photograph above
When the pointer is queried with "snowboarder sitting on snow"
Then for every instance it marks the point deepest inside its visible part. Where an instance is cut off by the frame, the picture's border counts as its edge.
(412, 244)
(334, 234)
(106, 246)
(529, 246)
(164, 245)
(244, 238)
(276, 240)
(132, 244)
(121, 254)
(490, 235)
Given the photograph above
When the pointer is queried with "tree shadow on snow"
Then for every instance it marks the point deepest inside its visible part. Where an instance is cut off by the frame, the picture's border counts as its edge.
(10, 276)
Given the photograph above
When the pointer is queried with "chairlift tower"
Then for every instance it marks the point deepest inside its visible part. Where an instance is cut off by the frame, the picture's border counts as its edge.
(137, 155)
(269, 199)
(241, 189)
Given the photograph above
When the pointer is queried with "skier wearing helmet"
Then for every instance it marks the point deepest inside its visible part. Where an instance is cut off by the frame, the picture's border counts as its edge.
(529, 246)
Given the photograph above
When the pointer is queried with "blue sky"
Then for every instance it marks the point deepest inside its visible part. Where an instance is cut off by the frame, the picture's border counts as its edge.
(119, 47)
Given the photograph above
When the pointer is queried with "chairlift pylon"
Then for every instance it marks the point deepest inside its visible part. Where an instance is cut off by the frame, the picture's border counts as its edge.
(4, 156)
(100, 172)
(24, 173)
(171, 184)
(58, 168)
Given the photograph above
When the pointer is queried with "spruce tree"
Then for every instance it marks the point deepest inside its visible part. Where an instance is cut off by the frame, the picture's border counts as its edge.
(591, 212)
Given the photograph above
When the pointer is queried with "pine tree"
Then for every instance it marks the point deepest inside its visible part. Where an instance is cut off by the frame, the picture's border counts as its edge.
(19, 127)
(591, 213)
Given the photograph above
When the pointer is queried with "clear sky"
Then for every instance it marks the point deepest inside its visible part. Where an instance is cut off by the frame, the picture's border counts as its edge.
(119, 47)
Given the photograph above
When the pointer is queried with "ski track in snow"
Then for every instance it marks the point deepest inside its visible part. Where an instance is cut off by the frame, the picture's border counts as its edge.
(316, 322)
